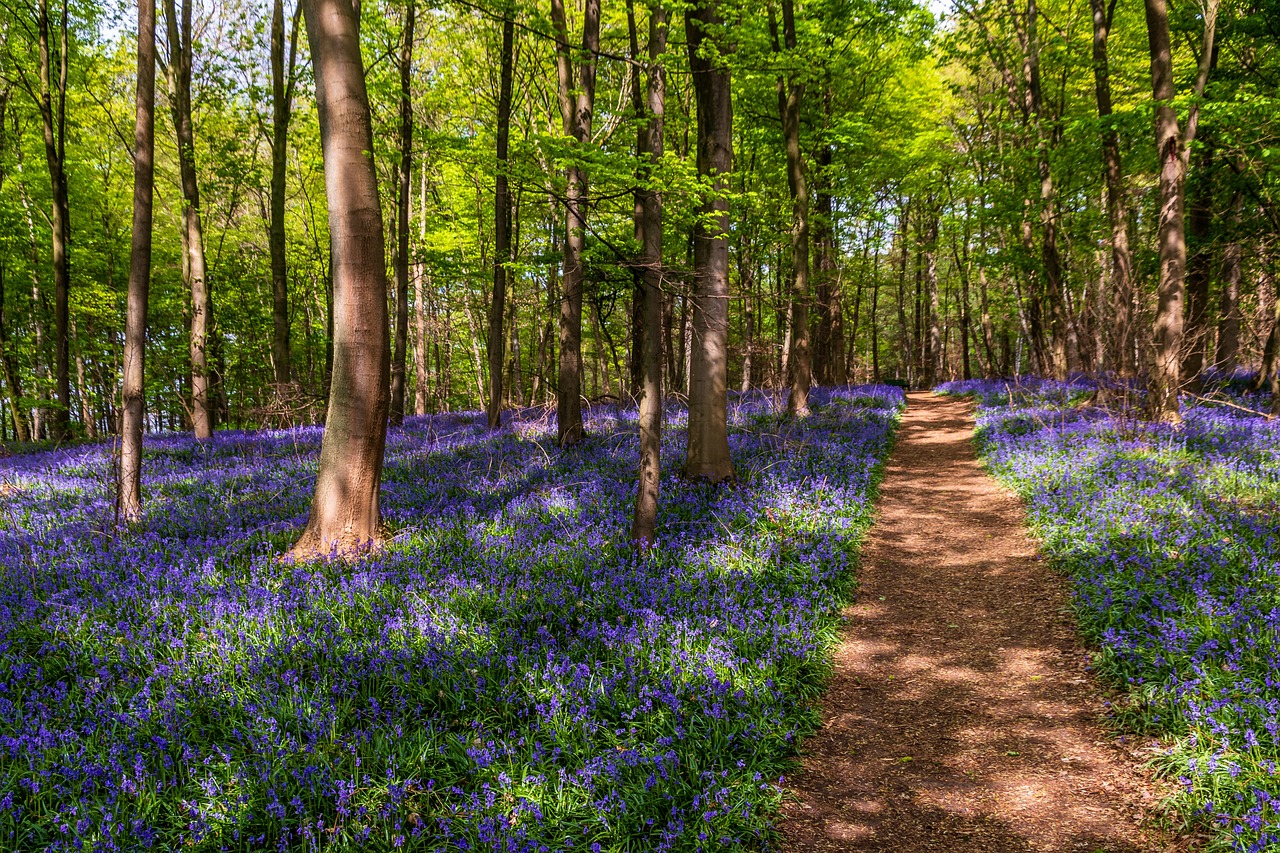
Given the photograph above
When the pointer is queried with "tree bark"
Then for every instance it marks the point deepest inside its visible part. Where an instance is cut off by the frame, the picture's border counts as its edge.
(1167, 330)
(283, 78)
(129, 495)
(52, 102)
(790, 104)
(933, 365)
(501, 227)
(577, 88)
(644, 519)
(1122, 330)
(194, 268)
(404, 193)
(1199, 272)
(344, 511)
(707, 456)
(1229, 317)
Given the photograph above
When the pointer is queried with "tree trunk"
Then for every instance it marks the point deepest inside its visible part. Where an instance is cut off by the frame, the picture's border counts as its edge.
(129, 496)
(420, 308)
(577, 89)
(1117, 209)
(344, 512)
(644, 519)
(53, 114)
(1167, 330)
(1228, 354)
(933, 365)
(707, 456)
(635, 350)
(12, 381)
(790, 104)
(1199, 272)
(404, 192)
(194, 269)
(283, 79)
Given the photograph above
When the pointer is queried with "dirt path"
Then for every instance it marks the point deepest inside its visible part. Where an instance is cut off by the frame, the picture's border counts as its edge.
(960, 716)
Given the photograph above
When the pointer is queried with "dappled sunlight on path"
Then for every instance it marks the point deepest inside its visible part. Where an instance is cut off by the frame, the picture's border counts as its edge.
(960, 715)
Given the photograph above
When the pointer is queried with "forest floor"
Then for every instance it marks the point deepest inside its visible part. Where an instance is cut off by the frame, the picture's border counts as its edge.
(960, 715)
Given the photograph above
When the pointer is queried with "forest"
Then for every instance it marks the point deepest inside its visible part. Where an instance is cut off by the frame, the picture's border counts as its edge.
(456, 425)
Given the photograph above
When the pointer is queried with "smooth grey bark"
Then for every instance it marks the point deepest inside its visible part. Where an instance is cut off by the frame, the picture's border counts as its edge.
(707, 456)
(344, 511)
(129, 484)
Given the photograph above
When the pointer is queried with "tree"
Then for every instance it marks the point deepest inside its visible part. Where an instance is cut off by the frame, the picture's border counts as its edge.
(283, 82)
(644, 520)
(344, 511)
(501, 225)
(194, 270)
(577, 91)
(403, 193)
(129, 495)
(707, 456)
(1171, 152)
(790, 104)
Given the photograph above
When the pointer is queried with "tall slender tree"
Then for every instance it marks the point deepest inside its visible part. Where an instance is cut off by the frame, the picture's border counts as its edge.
(404, 190)
(644, 520)
(194, 268)
(129, 494)
(344, 511)
(790, 103)
(577, 91)
(283, 82)
(501, 223)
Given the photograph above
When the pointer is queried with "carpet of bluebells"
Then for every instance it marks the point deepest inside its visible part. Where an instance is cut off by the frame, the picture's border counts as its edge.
(1172, 540)
(506, 675)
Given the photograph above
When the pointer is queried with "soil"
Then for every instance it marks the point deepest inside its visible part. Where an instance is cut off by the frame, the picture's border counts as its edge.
(961, 715)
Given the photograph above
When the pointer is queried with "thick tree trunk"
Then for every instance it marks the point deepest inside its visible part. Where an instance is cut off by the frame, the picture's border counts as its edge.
(282, 84)
(501, 228)
(404, 192)
(1167, 331)
(644, 519)
(129, 496)
(1122, 328)
(1229, 317)
(707, 456)
(344, 512)
(577, 88)
(194, 269)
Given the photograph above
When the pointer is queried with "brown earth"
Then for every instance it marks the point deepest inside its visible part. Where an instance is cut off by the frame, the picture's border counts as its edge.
(960, 716)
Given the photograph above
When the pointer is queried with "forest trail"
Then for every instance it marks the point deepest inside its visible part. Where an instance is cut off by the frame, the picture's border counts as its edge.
(960, 716)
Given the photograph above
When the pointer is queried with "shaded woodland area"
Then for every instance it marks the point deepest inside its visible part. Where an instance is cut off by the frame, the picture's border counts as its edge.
(908, 198)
